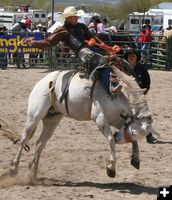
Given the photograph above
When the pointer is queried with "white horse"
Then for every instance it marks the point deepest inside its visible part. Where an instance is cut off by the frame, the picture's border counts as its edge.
(127, 111)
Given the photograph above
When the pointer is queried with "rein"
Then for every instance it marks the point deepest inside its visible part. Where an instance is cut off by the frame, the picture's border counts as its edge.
(128, 137)
(128, 120)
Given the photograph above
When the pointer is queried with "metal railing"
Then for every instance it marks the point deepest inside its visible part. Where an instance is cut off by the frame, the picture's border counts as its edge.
(62, 57)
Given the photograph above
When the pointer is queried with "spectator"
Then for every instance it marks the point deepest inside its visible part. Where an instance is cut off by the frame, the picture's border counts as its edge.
(122, 26)
(100, 26)
(142, 77)
(101, 31)
(19, 28)
(28, 21)
(145, 37)
(92, 25)
(3, 56)
(49, 21)
(169, 27)
(105, 22)
(39, 29)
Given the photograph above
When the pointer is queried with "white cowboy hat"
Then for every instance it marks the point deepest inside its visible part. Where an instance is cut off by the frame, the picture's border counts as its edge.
(71, 12)
(25, 17)
(23, 21)
(39, 25)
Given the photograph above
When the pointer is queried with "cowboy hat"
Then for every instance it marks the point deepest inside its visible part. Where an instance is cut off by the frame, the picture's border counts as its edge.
(25, 17)
(131, 51)
(71, 12)
(146, 25)
(39, 25)
(23, 21)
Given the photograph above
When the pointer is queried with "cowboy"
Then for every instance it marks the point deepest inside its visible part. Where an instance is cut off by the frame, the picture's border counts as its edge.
(77, 37)
(38, 29)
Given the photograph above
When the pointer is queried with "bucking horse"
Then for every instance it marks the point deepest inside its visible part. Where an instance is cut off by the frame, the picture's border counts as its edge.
(127, 111)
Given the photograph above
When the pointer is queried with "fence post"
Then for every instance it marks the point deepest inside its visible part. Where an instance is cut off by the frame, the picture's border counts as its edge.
(50, 55)
(169, 52)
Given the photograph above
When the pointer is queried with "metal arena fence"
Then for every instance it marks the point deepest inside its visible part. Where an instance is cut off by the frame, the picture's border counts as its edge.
(158, 55)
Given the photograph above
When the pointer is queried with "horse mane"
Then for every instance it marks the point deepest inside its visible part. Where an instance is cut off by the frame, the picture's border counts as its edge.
(134, 93)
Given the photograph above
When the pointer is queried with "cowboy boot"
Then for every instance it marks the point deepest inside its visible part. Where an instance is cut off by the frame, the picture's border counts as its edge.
(150, 139)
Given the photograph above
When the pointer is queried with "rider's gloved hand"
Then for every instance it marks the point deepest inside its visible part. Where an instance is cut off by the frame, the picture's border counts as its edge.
(91, 42)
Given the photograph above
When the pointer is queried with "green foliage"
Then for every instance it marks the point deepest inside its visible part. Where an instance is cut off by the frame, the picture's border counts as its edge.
(37, 4)
(111, 11)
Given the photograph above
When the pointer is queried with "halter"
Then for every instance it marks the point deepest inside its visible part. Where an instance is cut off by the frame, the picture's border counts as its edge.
(128, 120)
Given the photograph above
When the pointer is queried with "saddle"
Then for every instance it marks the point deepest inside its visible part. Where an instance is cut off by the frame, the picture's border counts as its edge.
(64, 96)
(115, 87)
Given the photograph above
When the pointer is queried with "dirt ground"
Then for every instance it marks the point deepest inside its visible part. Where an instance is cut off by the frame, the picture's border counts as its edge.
(73, 164)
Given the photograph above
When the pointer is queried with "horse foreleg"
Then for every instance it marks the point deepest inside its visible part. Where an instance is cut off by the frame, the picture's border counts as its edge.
(105, 129)
(135, 160)
(49, 124)
(102, 123)
(29, 130)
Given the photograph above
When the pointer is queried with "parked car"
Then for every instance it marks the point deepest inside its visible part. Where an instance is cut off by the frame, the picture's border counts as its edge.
(156, 28)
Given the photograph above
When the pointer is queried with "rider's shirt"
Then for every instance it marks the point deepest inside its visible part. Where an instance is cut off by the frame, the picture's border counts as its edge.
(73, 36)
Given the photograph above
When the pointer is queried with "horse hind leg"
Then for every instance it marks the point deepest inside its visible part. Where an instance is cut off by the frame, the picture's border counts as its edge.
(29, 130)
(50, 122)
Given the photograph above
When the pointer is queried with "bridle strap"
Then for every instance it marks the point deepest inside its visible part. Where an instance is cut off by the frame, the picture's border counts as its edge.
(128, 119)
(127, 137)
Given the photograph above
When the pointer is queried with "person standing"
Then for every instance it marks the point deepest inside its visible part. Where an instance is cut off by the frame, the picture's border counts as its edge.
(145, 38)
(28, 21)
(38, 56)
(49, 21)
(3, 56)
(19, 28)
(142, 77)
(101, 31)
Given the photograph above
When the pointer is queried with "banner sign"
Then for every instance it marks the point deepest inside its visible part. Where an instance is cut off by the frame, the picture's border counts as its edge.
(16, 43)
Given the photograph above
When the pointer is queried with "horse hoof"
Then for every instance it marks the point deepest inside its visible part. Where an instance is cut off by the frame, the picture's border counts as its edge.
(13, 171)
(135, 163)
(110, 173)
(30, 166)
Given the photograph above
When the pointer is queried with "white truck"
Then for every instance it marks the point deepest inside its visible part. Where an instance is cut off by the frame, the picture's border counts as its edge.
(162, 17)
(9, 18)
(38, 17)
(136, 20)
(152, 17)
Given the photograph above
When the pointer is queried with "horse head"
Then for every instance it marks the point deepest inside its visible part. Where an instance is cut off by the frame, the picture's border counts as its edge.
(133, 129)
(138, 123)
